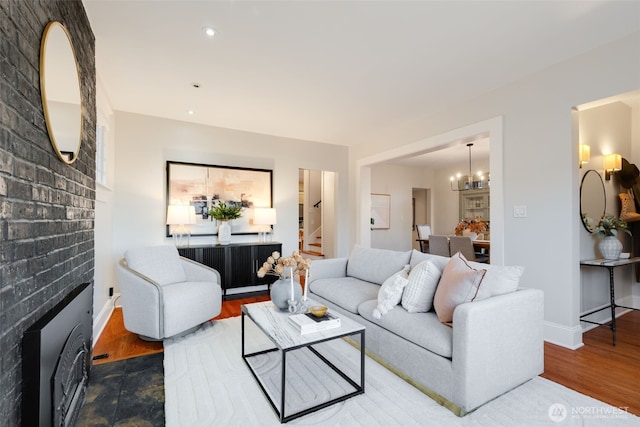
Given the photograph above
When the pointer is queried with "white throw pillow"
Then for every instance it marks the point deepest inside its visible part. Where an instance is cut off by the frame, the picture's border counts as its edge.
(498, 280)
(423, 280)
(390, 294)
(460, 283)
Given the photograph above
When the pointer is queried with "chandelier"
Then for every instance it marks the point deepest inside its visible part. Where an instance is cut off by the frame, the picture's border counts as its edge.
(470, 182)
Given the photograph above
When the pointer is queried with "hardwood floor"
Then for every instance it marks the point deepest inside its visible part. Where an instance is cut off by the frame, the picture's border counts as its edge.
(598, 369)
(119, 344)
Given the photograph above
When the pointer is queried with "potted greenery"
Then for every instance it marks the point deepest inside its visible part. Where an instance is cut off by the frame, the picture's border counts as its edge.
(225, 213)
(608, 228)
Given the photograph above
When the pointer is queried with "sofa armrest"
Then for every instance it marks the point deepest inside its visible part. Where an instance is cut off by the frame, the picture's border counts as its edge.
(197, 272)
(328, 269)
(498, 344)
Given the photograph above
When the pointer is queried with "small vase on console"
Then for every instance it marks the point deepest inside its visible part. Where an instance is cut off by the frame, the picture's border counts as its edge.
(224, 233)
(610, 247)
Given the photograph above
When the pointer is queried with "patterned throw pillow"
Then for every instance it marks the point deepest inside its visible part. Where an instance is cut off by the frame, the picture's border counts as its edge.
(423, 280)
(390, 293)
(460, 283)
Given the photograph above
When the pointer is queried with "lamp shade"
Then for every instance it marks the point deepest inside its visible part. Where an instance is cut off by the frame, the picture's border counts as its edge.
(264, 216)
(584, 154)
(613, 162)
(180, 214)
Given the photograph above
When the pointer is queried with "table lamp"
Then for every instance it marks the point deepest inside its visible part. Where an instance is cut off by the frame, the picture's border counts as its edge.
(179, 217)
(267, 218)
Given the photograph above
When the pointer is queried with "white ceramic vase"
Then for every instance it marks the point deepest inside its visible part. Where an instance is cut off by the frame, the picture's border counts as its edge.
(281, 290)
(224, 233)
(610, 247)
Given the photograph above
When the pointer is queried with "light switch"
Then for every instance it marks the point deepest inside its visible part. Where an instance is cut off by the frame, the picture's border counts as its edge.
(520, 211)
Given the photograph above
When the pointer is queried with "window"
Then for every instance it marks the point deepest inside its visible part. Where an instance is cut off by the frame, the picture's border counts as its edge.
(101, 155)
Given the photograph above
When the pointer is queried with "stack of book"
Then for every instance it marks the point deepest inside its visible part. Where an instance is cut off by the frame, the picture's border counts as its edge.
(308, 323)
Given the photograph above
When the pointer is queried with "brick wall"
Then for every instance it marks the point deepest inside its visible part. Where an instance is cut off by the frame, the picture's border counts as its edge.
(46, 206)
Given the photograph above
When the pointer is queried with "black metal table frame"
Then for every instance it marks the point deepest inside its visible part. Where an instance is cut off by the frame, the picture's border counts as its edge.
(612, 304)
(359, 389)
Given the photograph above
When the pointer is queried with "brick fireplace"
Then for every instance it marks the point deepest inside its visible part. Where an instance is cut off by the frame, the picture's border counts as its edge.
(56, 362)
(46, 207)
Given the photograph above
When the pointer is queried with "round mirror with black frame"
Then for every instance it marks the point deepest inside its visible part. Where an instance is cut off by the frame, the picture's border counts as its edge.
(60, 90)
(593, 199)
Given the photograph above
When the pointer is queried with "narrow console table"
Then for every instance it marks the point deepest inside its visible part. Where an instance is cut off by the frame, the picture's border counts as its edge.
(609, 265)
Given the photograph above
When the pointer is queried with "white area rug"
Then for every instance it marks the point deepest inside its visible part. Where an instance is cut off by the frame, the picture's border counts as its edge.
(208, 384)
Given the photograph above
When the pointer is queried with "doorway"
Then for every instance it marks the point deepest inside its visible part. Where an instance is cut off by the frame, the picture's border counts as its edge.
(421, 205)
(316, 213)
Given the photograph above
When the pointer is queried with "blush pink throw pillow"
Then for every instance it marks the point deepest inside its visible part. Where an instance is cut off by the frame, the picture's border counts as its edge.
(459, 283)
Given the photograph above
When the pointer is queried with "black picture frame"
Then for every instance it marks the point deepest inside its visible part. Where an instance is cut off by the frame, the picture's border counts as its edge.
(202, 186)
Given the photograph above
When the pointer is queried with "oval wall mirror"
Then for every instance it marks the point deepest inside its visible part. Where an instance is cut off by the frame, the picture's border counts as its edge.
(60, 89)
(593, 199)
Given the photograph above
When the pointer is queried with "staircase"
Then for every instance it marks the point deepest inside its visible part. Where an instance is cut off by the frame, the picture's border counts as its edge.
(314, 248)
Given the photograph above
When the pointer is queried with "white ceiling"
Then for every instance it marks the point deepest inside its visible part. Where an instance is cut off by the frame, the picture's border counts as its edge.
(340, 72)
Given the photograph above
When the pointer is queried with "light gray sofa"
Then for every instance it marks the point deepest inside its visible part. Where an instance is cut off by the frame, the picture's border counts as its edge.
(492, 346)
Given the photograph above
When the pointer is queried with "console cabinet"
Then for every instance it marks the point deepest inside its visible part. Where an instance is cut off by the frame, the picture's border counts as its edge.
(237, 263)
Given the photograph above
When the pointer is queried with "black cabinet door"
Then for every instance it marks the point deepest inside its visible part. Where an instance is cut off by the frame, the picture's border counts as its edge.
(243, 269)
(237, 264)
(262, 252)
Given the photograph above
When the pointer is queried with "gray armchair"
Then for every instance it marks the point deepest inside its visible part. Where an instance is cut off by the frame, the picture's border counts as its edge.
(164, 295)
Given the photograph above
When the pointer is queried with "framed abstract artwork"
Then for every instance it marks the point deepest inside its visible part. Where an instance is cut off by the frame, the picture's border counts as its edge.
(205, 186)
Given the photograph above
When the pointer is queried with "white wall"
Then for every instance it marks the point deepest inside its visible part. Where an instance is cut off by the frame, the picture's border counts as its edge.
(144, 144)
(104, 273)
(398, 182)
(539, 169)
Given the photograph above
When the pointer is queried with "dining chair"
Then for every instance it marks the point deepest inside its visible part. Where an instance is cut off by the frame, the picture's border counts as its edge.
(424, 230)
(439, 245)
(465, 245)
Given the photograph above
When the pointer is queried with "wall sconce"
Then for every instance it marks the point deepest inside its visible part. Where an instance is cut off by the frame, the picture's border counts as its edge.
(266, 217)
(612, 163)
(179, 218)
(584, 154)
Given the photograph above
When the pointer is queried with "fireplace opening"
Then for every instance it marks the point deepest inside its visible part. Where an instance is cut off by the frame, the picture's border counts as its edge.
(56, 362)
(70, 379)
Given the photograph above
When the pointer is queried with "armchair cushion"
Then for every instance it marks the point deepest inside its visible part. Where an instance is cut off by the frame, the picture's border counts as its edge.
(159, 263)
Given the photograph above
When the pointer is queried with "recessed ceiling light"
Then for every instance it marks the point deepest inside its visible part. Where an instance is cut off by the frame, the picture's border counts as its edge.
(190, 112)
(209, 31)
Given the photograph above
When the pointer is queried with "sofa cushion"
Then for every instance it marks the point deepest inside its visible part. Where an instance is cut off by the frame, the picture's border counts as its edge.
(390, 292)
(417, 257)
(375, 265)
(346, 292)
(460, 283)
(159, 263)
(423, 280)
(423, 329)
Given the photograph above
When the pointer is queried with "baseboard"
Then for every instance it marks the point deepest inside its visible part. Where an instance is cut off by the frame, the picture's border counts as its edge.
(565, 336)
(103, 316)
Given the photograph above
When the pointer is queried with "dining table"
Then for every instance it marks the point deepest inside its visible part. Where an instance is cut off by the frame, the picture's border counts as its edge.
(479, 245)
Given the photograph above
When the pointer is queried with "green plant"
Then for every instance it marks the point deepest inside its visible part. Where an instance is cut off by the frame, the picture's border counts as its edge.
(224, 212)
(609, 225)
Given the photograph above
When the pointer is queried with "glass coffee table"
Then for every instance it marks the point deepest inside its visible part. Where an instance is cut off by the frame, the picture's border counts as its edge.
(274, 324)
